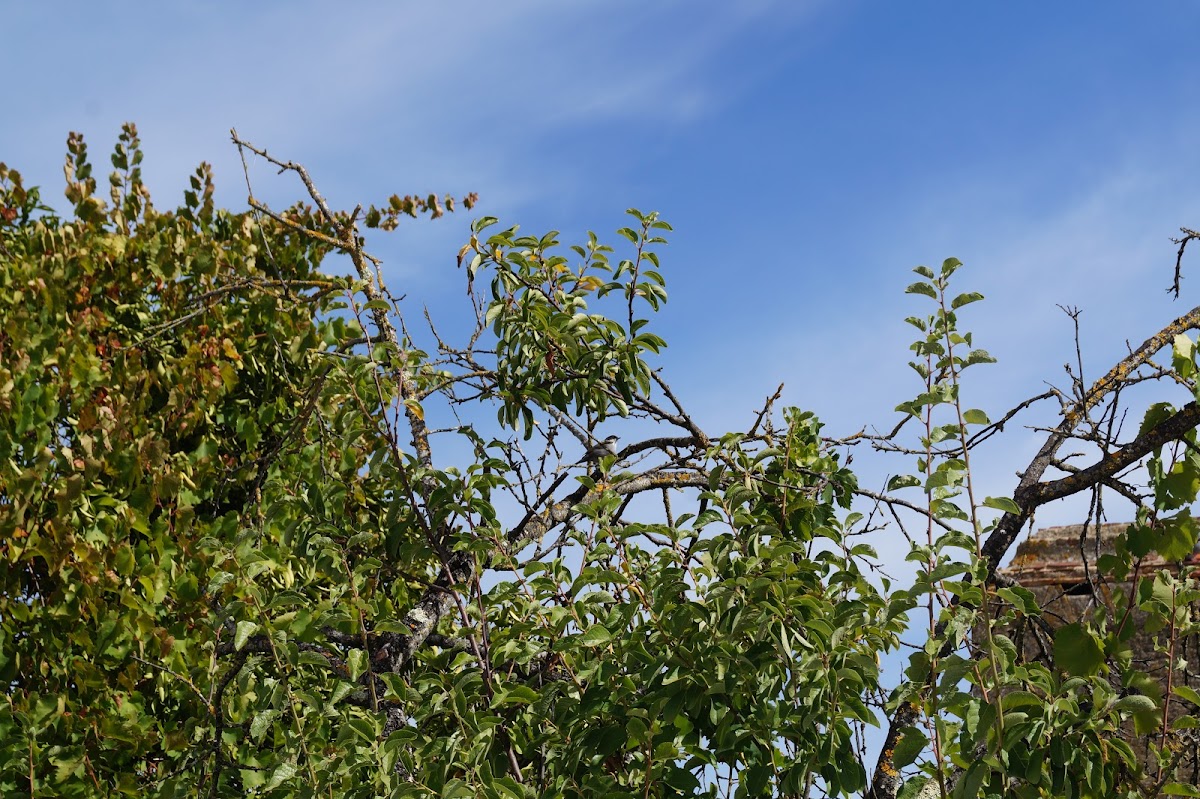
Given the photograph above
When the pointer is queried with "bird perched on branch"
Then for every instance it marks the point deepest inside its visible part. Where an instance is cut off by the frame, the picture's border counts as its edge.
(601, 449)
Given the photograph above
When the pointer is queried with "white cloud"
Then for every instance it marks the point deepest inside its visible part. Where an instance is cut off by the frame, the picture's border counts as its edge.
(381, 97)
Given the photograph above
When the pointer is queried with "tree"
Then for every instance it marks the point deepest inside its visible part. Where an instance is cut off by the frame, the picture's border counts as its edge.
(262, 535)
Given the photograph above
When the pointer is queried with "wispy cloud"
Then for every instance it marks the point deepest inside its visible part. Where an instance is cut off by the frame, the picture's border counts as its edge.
(508, 100)
(421, 79)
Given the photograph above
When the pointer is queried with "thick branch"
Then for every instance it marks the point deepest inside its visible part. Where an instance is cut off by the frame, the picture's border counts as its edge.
(536, 526)
(1169, 430)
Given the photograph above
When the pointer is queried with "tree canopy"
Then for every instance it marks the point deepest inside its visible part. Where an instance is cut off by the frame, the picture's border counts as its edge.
(265, 532)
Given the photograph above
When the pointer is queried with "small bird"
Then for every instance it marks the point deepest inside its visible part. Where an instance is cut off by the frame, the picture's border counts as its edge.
(601, 449)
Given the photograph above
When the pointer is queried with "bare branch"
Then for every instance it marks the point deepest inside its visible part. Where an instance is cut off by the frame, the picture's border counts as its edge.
(766, 409)
(1171, 429)
(903, 503)
(1188, 235)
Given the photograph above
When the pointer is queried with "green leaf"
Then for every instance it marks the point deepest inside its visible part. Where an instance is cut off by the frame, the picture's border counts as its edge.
(1134, 703)
(1140, 539)
(911, 744)
(1076, 650)
(978, 356)
(969, 784)
(755, 779)
(1156, 414)
(965, 299)
(261, 723)
(1021, 598)
(607, 740)
(949, 266)
(596, 635)
(1003, 504)
(242, 633)
(976, 416)
(1187, 692)
(922, 288)
(1017, 699)
(282, 773)
(914, 787)
(68, 767)
(1177, 536)
(356, 663)
(903, 481)
(1183, 355)
(515, 695)
(1144, 711)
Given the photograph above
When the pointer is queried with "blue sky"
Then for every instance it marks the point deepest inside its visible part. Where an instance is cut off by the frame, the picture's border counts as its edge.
(808, 154)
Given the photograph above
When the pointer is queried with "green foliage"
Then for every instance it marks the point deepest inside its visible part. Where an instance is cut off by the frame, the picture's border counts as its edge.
(550, 351)
(152, 364)
(228, 571)
(260, 537)
(1004, 724)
